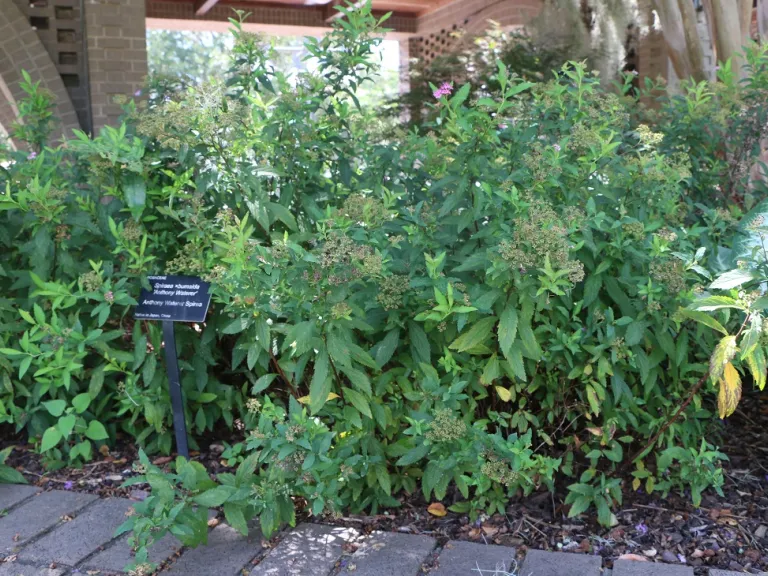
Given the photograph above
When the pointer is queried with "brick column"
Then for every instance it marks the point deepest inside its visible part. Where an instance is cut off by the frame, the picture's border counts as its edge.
(21, 49)
(117, 54)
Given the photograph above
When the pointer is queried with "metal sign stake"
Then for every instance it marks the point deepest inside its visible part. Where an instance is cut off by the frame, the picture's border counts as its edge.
(174, 386)
(174, 299)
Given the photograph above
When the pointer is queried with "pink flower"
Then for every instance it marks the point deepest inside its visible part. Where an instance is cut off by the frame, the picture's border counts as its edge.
(137, 93)
(556, 147)
(109, 297)
(32, 156)
(445, 90)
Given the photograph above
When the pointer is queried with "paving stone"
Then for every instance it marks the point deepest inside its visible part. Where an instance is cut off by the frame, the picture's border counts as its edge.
(226, 554)
(73, 541)
(115, 557)
(630, 568)
(309, 550)
(39, 514)
(12, 494)
(541, 563)
(391, 554)
(465, 559)
(714, 572)
(16, 569)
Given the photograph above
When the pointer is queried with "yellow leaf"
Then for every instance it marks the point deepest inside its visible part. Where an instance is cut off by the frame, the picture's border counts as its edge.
(503, 393)
(757, 365)
(722, 355)
(331, 396)
(635, 483)
(730, 391)
(649, 484)
(437, 509)
(595, 431)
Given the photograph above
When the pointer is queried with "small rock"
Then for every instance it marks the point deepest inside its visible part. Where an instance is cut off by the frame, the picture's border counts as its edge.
(696, 562)
(761, 530)
(650, 552)
(114, 478)
(735, 566)
(668, 556)
(404, 529)
(139, 495)
(216, 448)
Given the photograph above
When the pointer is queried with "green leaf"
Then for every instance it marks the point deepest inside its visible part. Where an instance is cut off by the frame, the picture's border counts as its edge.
(51, 437)
(233, 513)
(580, 505)
(703, 318)
(81, 402)
(321, 384)
(507, 330)
(711, 303)
(55, 407)
(66, 424)
(413, 455)
(475, 336)
(135, 189)
(10, 352)
(358, 401)
(492, 370)
(383, 351)
(460, 96)
(262, 383)
(215, 496)
(635, 333)
(530, 344)
(732, 279)
(96, 431)
(358, 379)
(236, 326)
(384, 481)
(420, 348)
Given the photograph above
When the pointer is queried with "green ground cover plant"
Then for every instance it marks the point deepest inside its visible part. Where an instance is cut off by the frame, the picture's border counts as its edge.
(506, 300)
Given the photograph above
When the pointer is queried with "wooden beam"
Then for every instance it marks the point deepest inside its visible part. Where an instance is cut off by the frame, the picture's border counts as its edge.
(202, 7)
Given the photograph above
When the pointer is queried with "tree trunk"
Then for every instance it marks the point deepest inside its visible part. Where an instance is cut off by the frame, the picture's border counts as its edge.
(745, 21)
(678, 25)
(762, 19)
(726, 16)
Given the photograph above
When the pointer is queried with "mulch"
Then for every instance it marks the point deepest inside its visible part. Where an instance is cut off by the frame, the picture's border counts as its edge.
(728, 532)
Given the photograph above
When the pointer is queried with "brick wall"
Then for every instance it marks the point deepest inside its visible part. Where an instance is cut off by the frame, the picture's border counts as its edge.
(22, 49)
(117, 54)
(59, 25)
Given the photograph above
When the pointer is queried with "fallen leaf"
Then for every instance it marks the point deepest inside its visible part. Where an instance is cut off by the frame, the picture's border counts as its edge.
(162, 460)
(489, 530)
(213, 522)
(104, 450)
(633, 558)
(437, 509)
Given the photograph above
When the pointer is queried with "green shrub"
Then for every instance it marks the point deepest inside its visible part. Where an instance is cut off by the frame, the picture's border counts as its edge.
(473, 311)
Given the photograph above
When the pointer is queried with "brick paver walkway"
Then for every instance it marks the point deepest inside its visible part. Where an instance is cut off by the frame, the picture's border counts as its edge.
(70, 534)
